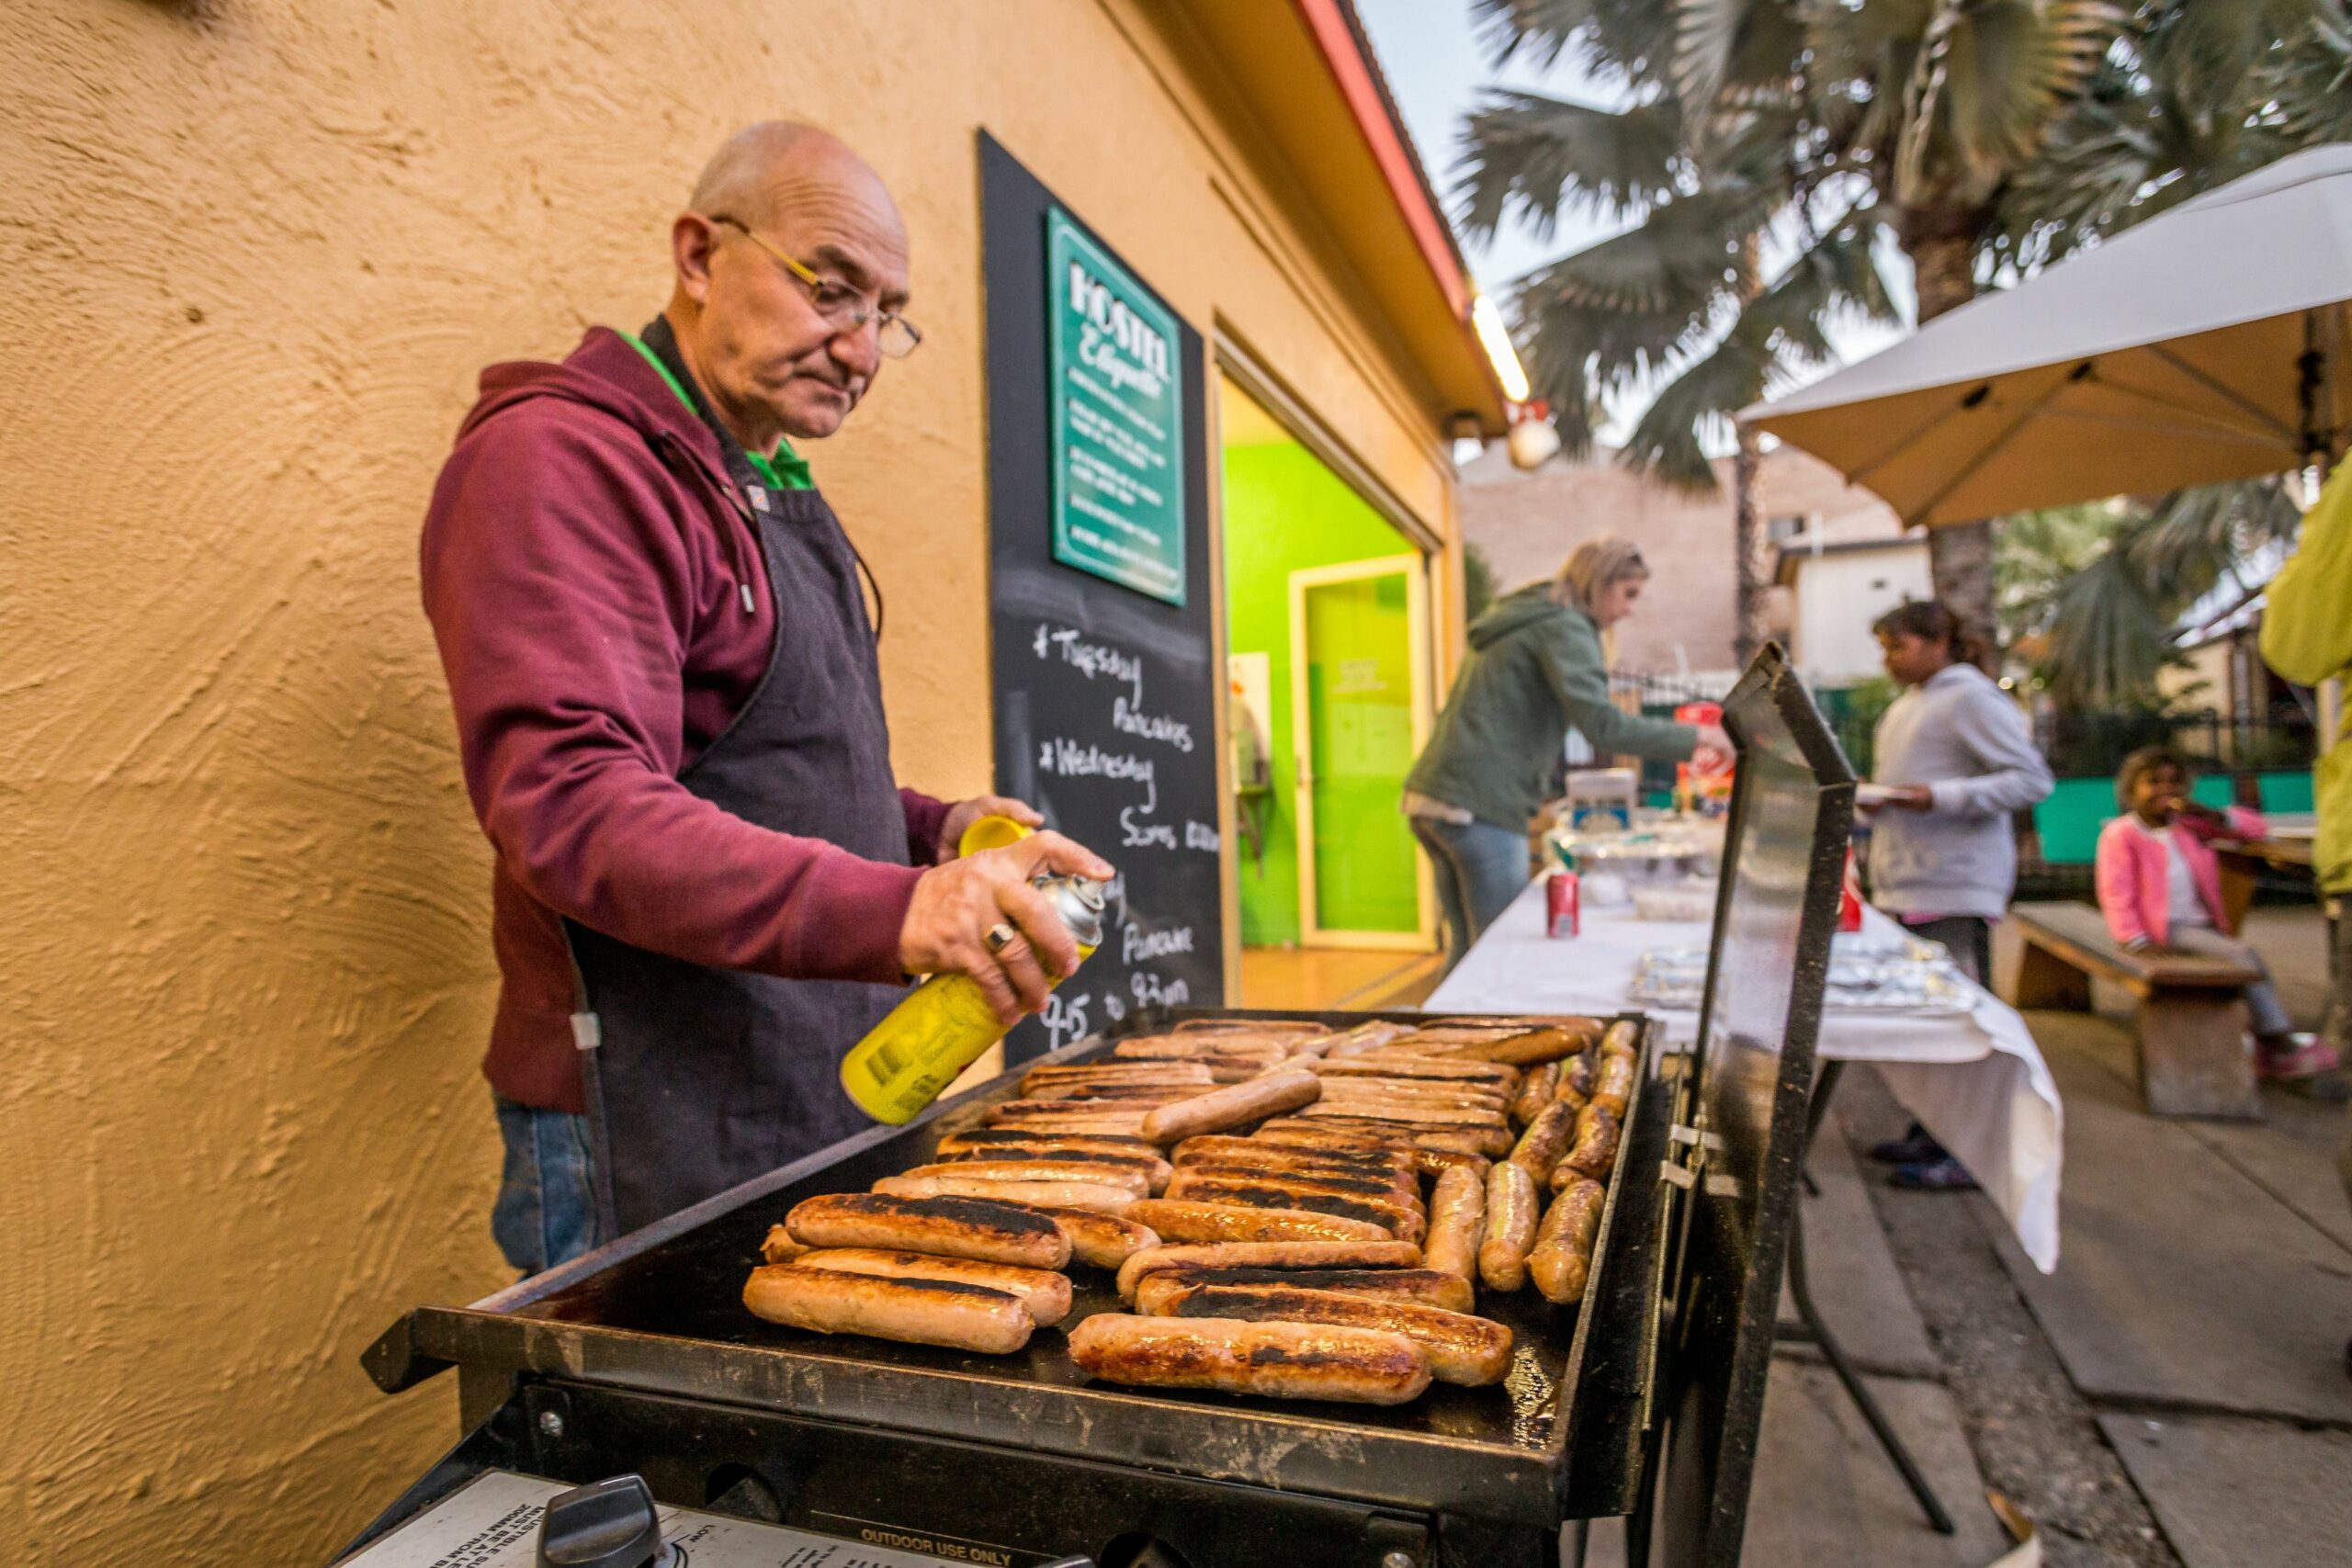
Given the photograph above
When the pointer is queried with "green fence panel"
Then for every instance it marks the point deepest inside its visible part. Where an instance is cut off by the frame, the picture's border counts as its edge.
(2286, 794)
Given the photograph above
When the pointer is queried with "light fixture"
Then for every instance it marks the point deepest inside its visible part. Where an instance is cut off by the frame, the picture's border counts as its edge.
(1488, 321)
(1463, 425)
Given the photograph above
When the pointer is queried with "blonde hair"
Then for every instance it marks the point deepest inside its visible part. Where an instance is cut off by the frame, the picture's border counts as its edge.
(1595, 566)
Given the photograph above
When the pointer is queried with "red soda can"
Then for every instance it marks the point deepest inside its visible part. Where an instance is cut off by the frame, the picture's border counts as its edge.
(1563, 913)
(1850, 897)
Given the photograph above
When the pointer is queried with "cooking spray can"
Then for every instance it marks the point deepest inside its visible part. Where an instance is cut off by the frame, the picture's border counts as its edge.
(945, 1025)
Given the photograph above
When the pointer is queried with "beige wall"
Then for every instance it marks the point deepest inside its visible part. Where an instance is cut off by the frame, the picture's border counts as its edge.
(1840, 593)
(255, 252)
(1525, 523)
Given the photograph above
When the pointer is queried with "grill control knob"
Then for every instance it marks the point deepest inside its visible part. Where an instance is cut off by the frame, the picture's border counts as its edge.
(605, 1524)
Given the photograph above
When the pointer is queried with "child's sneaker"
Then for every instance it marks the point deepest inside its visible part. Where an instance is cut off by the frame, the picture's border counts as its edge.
(2306, 1058)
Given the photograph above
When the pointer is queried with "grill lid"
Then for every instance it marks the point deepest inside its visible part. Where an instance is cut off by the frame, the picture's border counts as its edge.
(1785, 855)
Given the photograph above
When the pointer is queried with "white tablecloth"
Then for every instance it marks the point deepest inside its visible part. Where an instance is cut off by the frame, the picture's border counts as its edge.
(1977, 1081)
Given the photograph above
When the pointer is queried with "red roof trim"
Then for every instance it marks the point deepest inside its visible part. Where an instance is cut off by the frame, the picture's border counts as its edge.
(1327, 23)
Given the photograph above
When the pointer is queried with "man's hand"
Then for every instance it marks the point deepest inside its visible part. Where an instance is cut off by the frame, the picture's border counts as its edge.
(956, 905)
(1714, 752)
(963, 813)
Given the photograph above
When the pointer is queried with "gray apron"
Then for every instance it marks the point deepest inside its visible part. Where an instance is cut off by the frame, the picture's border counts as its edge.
(701, 1078)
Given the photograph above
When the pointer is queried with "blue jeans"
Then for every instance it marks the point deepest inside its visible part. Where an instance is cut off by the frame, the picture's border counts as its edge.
(546, 1211)
(1480, 868)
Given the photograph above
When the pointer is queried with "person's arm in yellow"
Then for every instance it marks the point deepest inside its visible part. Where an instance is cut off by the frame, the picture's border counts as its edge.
(2307, 619)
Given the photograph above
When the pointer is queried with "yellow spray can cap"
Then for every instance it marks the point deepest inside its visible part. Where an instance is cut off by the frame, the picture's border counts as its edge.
(991, 833)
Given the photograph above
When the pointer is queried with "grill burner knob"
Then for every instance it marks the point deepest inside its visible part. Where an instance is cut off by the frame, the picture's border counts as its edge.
(605, 1524)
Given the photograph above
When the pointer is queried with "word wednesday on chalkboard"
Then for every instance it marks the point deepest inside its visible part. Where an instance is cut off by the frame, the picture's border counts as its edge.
(1103, 668)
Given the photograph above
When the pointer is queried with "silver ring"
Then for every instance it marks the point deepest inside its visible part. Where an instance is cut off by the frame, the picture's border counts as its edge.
(1000, 937)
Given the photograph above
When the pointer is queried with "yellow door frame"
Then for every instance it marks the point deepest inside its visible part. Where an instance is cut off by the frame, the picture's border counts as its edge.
(1415, 570)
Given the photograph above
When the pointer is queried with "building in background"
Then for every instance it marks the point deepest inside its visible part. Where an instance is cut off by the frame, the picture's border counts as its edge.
(1524, 523)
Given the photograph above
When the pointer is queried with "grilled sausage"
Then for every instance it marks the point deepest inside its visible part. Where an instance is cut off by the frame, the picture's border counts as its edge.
(1472, 1351)
(779, 1247)
(1536, 1090)
(953, 1227)
(1493, 1141)
(1251, 1026)
(1269, 1255)
(1154, 1170)
(1362, 1038)
(1437, 1162)
(1545, 1140)
(1595, 1151)
(1533, 1047)
(921, 1312)
(1044, 1293)
(1561, 1262)
(1401, 1221)
(1457, 1224)
(1310, 1135)
(1100, 1240)
(973, 1138)
(1156, 1292)
(1232, 1106)
(1420, 1070)
(1512, 1218)
(1275, 1360)
(1114, 1096)
(1101, 1175)
(1622, 1038)
(1408, 1096)
(1194, 1047)
(1614, 1085)
(1344, 1179)
(1042, 1079)
(1216, 1148)
(1421, 1112)
(1577, 1077)
(1034, 1117)
(1100, 1196)
(1181, 1220)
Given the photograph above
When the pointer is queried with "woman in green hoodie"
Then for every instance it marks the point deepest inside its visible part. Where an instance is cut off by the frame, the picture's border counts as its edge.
(1534, 672)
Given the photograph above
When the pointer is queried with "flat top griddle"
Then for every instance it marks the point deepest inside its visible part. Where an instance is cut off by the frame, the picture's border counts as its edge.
(666, 1315)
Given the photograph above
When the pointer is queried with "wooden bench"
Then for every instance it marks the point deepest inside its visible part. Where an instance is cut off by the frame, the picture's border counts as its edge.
(2192, 1019)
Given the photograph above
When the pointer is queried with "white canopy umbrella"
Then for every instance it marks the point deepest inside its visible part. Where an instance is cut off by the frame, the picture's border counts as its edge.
(2212, 343)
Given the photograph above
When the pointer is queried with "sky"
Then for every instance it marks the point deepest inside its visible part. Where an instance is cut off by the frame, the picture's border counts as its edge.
(1436, 66)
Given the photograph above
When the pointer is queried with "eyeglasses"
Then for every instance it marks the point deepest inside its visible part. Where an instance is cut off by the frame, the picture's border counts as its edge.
(844, 308)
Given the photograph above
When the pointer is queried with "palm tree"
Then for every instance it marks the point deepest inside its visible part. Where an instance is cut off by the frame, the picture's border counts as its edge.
(1977, 134)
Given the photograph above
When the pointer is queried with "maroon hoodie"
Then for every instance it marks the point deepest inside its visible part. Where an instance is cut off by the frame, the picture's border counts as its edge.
(583, 572)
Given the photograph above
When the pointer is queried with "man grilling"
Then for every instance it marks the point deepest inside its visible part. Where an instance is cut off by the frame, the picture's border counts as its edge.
(708, 884)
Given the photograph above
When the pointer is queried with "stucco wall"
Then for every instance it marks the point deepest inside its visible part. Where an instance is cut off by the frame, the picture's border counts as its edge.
(252, 254)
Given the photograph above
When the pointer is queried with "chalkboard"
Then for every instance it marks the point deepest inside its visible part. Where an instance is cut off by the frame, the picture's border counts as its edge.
(1105, 698)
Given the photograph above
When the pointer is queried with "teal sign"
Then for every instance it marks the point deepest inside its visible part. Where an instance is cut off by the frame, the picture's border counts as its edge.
(1118, 419)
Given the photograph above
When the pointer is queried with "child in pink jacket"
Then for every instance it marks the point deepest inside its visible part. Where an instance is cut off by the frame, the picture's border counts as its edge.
(2160, 887)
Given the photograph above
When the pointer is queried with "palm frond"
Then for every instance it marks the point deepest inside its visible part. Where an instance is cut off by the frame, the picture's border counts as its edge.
(1529, 156)
(1734, 53)
(1669, 442)
(2004, 73)
(1632, 39)
(2107, 639)
(2309, 77)
(1836, 277)
(2191, 536)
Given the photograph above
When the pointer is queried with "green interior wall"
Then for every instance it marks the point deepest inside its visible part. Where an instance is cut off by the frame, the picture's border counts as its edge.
(1284, 511)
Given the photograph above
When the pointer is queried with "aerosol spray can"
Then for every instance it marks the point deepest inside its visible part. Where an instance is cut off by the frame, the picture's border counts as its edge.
(946, 1025)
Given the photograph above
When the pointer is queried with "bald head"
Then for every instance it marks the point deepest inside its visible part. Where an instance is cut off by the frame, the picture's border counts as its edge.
(758, 170)
(772, 364)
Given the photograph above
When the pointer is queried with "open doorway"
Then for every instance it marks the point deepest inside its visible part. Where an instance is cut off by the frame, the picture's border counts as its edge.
(1328, 634)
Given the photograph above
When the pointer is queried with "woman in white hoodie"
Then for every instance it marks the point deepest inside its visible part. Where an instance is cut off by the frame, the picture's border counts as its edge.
(1956, 762)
